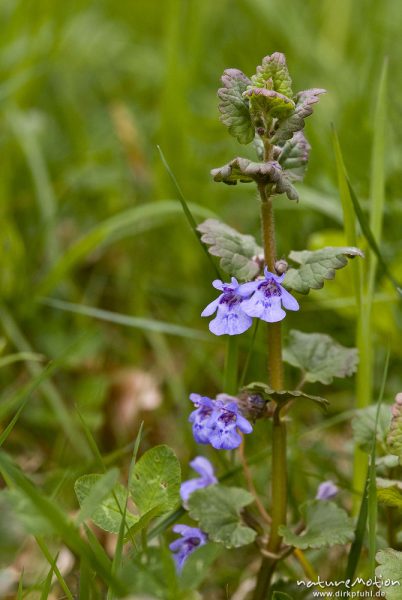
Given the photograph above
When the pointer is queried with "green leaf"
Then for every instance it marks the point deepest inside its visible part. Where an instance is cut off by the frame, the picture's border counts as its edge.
(266, 105)
(97, 493)
(389, 492)
(363, 425)
(60, 523)
(280, 596)
(294, 156)
(237, 252)
(326, 525)
(316, 266)
(245, 171)
(389, 570)
(319, 356)
(155, 481)
(108, 512)
(234, 107)
(395, 434)
(217, 509)
(282, 396)
(273, 74)
(295, 122)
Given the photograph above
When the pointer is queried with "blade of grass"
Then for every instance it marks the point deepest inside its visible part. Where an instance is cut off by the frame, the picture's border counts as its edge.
(47, 584)
(135, 322)
(22, 398)
(53, 567)
(25, 130)
(98, 492)
(377, 178)
(231, 366)
(20, 592)
(20, 357)
(363, 332)
(98, 457)
(85, 583)
(371, 240)
(131, 222)
(349, 216)
(118, 555)
(59, 522)
(372, 487)
(51, 394)
(360, 532)
(249, 354)
(189, 216)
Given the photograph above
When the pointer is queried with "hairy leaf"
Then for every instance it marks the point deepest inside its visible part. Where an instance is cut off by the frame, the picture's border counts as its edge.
(395, 433)
(389, 570)
(326, 525)
(319, 356)
(273, 73)
(234, 107)
(294, 156)
(155, 480)
(389, 492)
(245, 171)
(217, 509)
(266, 105)
(364, 426)
(283, 396)
(107, 514)
(295, 122)
(316, 266)
(237, 252)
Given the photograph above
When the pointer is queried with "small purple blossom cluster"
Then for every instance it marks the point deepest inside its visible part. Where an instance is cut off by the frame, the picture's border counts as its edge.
(192, 537)
(235, 308)
(218, 422)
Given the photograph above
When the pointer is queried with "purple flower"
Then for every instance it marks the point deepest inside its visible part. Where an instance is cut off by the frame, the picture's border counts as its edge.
(206, 470)
(200, 417)
(218, 422)
(230, 317)
(327, 490)
(268, 298)
(192, 538)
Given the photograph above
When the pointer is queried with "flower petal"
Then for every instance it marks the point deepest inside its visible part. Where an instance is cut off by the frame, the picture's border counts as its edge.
(188, 487)
(201, 465)
(226, 438)
(218, 284)
(288, 301)
(211, 308)
(246, 289)
(243, 424)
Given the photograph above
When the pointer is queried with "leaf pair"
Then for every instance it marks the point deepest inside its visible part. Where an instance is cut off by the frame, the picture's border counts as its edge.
(264, 103)
(242, 257)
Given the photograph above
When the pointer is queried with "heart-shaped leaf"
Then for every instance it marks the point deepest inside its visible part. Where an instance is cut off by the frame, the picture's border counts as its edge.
(316, 266)
(234, 107)
(217, 510)
(238, 252)
(326, 525)
(319, 356)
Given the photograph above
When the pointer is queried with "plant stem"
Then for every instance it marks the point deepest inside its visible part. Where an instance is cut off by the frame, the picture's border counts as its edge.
(275, 369)
(275, 365)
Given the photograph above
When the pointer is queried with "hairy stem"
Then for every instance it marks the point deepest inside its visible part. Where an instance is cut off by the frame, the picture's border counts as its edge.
(275, 365)
(275, 369)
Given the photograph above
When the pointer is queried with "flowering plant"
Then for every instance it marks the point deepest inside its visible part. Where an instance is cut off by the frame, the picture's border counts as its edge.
(255, 286)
